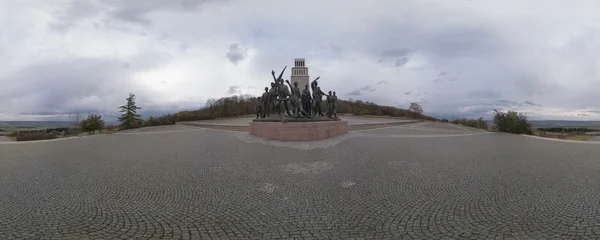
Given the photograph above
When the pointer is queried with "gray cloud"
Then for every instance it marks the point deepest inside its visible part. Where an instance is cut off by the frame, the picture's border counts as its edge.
(382, 82)
(464, 41)
(233, 90)
(355, 93)
(532, 103)
(398, 56)
(236, 54)
(443, 77)
(407, 93)
(484, 94)
(506, 103)
(135, 10)
(359, 91)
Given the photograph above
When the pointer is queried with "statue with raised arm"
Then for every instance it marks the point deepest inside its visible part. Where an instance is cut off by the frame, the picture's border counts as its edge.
(281, 92)
(306, 100)
(317, 97)
(276, 80)
(295, 99)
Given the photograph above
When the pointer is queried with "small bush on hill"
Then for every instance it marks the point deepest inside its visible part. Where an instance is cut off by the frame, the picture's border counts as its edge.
(92, 123)
(35, 136)
(512, 122)
(168, 119)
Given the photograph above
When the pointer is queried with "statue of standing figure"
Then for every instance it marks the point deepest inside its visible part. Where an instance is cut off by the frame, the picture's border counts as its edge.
(334, 105)
(272, 99)
(317, 97)
(258, 107)
(328, 103)
(331, 105)
(295, 98)
(264, 103)
(306, 100)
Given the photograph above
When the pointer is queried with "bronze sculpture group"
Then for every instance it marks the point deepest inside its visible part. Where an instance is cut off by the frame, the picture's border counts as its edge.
(304, 104)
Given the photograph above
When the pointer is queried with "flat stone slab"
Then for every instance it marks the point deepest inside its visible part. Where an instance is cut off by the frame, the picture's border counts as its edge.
(354, 122)
(298, 131)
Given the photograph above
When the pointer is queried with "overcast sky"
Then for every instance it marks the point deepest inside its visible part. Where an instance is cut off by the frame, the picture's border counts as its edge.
(454, 57)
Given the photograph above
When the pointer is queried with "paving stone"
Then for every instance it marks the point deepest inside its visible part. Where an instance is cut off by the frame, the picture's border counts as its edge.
(211, 184)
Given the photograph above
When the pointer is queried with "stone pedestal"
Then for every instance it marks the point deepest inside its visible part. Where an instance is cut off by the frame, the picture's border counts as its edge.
(298, 131)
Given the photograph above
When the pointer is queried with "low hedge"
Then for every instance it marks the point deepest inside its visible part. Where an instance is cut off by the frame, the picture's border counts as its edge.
(33, 137)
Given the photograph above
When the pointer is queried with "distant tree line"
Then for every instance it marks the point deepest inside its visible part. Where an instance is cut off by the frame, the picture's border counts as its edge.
(474, 123)
(242, 105)
(168, 119)
(569, 129)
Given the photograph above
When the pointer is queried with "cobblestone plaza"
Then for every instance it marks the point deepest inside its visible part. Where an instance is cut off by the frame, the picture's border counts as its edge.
(419, 181)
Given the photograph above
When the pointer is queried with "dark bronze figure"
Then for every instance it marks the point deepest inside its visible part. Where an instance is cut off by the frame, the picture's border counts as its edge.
(272, 99)
(264, 101)
(258, 107)
(328, 104)
(306, 100)
(295, 99)
(317, 97)
(334, 105)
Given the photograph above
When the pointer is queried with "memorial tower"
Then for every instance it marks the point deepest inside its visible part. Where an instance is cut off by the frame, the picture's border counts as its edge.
(299, 73)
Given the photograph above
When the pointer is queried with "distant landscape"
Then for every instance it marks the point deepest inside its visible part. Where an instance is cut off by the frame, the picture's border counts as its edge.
(7, 127)
(563, 123)
(11, 126)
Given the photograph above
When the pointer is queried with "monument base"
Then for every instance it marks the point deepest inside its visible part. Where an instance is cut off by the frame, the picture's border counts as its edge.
(286, 118)
(298, 130)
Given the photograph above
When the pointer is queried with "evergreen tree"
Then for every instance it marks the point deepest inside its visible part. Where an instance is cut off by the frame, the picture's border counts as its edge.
(129, 118)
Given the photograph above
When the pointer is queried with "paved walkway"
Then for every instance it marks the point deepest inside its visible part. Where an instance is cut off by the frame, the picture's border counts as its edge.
(420, 181)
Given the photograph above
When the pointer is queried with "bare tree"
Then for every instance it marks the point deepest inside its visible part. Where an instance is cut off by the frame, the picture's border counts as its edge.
(75, 119)
(416, 109)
